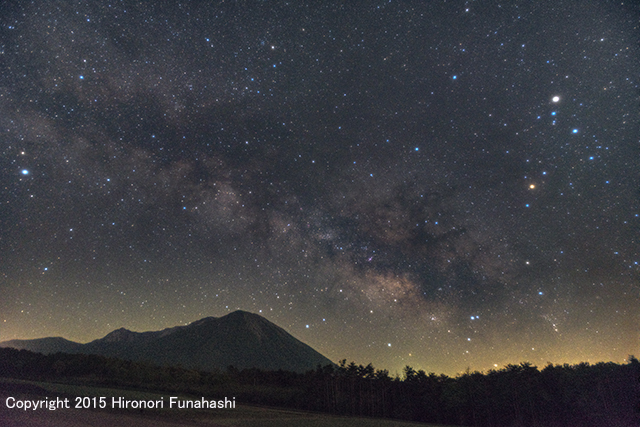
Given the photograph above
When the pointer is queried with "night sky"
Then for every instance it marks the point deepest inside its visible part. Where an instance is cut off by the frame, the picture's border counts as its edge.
(442, 184)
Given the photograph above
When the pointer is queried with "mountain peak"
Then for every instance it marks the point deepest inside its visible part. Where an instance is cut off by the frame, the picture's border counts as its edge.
(241, 339)
(120, 335)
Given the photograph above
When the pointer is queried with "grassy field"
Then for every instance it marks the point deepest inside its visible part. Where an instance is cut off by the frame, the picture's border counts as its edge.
(241, 416)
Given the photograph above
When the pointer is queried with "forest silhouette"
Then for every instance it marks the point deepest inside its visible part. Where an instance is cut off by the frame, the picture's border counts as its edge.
(586, 395)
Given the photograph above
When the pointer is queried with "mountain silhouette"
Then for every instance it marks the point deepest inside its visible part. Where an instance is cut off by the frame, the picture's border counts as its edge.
(241, 339)
(45, 345)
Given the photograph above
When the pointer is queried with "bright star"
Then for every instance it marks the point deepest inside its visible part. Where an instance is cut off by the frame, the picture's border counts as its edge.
(25, 172)
(555, 98)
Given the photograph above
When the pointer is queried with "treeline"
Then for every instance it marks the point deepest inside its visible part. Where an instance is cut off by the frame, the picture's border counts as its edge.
(97, 370)
(604, 394)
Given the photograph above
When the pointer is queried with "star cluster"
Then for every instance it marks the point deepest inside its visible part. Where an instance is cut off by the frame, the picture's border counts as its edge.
(444, 185)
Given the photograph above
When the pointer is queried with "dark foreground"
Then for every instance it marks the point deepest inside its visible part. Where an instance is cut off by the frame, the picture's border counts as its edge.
(241, 416)
(600, 395)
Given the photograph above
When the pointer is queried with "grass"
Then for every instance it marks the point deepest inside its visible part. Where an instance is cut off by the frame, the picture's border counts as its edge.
(241, 416)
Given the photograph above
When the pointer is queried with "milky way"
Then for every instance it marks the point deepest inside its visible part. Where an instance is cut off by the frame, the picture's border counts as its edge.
(441, 185)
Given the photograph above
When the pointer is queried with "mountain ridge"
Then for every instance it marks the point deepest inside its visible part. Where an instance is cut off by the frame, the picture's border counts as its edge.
(240, 339)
